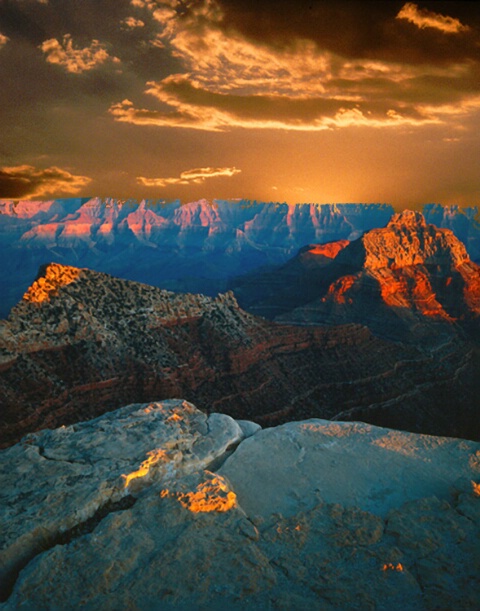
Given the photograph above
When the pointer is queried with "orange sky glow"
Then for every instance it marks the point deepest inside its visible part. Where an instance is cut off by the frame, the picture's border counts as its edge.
(278, 101)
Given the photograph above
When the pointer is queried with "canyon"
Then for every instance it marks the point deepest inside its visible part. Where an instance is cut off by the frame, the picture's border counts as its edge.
(401, 281)
(309, 439)
(382, 329)
(409, 282)
(193, 247)
(82, 342)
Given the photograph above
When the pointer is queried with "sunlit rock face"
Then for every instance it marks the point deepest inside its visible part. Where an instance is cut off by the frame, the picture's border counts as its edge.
(418, 270)
(393, 279)
(157, 506)
(50, 281)
(194, 247)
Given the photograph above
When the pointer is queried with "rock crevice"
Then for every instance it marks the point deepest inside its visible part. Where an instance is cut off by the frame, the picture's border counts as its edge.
(312, 514)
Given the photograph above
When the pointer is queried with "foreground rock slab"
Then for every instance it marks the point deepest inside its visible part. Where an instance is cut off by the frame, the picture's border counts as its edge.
(155, 507)
(351, 463)
(56, 480)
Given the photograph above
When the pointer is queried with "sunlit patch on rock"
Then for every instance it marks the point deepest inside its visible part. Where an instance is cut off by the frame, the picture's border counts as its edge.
(212, 494)
(393, 567)
(47, 285)
(154, 457)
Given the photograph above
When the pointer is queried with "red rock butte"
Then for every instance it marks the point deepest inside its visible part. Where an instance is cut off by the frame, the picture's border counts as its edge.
(408, 240)
(416, 265)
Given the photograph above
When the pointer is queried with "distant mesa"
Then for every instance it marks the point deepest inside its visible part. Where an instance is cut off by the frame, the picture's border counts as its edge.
(391, 279)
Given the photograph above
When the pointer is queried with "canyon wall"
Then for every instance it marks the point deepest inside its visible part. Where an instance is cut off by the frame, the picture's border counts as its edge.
(400, 280)
(81, 343)
(195, 247)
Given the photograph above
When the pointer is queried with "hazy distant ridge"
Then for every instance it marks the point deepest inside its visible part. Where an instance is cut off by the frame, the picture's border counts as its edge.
(187, 247)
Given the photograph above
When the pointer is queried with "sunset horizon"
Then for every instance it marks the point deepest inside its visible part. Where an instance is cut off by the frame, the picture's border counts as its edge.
(217, 99)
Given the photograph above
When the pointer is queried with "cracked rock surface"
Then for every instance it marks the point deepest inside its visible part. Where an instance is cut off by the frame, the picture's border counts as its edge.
(135, 510)
(55, 480)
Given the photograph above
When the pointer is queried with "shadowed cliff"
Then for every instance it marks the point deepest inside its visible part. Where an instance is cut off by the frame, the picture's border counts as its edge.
(81, 343)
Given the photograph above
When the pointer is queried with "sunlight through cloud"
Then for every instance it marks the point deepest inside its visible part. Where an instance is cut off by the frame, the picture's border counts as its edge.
(75, 60)
(197, 176)
(424, 18)
(234, 82)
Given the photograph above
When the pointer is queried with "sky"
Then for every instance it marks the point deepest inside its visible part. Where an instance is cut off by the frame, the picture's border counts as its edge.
(288, 101)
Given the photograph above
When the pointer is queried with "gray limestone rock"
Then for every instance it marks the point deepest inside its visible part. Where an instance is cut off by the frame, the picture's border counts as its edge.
(248, 427)
(55, 480)
(351, 463)
(126, 512)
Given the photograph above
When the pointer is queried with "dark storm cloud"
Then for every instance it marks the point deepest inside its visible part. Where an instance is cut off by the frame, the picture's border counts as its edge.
(27, 181)
(23, 20)
(358, 29)
(288, 67)
(249, 59)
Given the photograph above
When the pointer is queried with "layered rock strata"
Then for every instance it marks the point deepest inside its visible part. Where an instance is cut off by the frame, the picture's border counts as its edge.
(399, 280)
(130, 511)
(81, 343)
(409, 282)
(194, 247)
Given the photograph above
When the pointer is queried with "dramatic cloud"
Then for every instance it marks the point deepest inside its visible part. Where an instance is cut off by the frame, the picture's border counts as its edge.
(3, 40)
(230, 81)
(330, 101)
(423, 18)
(196, 176)
(197, 108)
(75, 60)
(27, 181)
